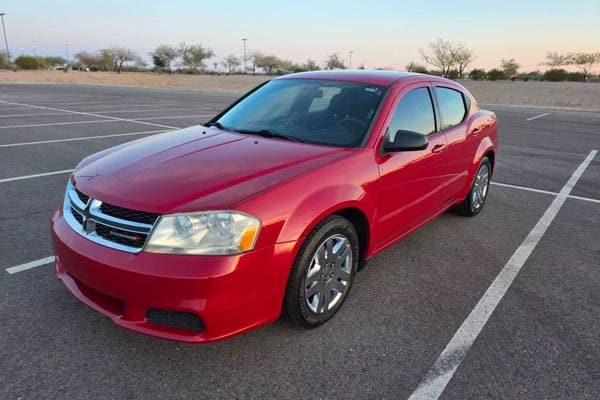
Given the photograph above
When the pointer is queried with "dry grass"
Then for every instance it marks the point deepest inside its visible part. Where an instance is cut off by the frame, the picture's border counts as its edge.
(561, 95)
(224, 83)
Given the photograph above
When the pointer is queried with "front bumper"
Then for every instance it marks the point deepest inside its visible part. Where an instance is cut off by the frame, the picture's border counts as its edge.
(230, 294)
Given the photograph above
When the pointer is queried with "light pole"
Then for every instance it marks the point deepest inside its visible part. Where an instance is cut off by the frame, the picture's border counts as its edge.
(5, 39)
(34, 52)
(244, 40)
(67, 52)
(350, 59)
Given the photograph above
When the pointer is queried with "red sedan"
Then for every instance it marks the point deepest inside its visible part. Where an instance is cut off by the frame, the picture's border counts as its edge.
(210, 231)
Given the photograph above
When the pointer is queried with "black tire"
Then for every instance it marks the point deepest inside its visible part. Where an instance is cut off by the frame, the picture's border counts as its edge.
(296, 307)
(467, 208)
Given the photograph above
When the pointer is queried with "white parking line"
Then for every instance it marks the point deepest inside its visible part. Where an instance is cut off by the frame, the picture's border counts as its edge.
(172, 117)
(20, 178)
(107, 103)
(442, 371)
(82, 138)
(103, 112)
(30, 265)
(544, 192)
(91, 114)
(524, 188)
(32, 115)
(537, 116)
(96, 121)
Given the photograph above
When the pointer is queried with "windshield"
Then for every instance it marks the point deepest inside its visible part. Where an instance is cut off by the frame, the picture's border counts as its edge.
(314, 111)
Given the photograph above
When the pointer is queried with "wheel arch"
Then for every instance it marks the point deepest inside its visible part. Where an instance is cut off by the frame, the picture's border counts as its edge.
(360, 221)
(491, 154)
(485, 148)
(355, 212)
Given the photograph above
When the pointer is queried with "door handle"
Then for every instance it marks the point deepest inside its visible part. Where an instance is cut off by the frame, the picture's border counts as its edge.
(438, 148)
(476, 131)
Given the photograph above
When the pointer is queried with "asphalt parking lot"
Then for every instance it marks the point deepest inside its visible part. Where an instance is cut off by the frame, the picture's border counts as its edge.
(443, 311)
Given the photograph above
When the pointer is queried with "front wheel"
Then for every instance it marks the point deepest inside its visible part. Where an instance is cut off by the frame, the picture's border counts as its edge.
(323, 273)
(477, 196)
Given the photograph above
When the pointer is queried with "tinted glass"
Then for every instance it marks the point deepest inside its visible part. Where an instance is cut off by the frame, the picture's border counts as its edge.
(452, 106)
(315, 111)
(413, 113)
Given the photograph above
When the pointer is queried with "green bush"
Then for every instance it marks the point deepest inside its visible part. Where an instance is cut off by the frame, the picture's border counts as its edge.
(27, 62)
(4, 64)
(419, 69)
(556, 75)
(477, 74)
(575, 77)
(530, 76)
(453, 74)
(495, 74)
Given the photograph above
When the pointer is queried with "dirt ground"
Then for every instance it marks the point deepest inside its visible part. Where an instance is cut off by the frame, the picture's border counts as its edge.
(560, 95)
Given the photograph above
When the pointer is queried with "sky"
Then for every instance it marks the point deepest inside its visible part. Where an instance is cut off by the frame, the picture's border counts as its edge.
(380, 33)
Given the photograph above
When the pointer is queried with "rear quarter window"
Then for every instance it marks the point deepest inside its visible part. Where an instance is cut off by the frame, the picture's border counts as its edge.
(452, 106)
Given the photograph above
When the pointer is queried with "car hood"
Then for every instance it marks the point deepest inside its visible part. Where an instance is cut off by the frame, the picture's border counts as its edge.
(195, 169)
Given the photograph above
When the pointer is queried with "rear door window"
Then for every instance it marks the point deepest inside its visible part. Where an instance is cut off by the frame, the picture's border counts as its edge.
(452, 106)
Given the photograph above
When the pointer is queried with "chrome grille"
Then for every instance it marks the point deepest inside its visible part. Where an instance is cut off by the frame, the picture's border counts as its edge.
(111, 226)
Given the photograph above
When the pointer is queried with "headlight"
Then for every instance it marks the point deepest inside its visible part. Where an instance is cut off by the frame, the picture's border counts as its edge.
(209, 233)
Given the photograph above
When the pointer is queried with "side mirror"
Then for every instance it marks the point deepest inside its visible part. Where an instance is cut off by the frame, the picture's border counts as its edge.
(406, 141)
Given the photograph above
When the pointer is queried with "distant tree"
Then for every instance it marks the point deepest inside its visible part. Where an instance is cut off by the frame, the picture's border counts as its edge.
(463, 57)
(194, 55)
(87, 60)
(51, 61)
(361, 66)
(509, 67)
(253, 59)
(555, 60)
(495, 74)
(123, 55)
(163, 56)
(117, 57)
(418, 68)
(310, 65)
(27, 62)
(585, 62)
(334, 62)
(441, 55)
(4, 60)
(477, 74)
(139, 63)
(448, 56)
(288, 66)
(556, 75)
(268, 63)
(231, 62)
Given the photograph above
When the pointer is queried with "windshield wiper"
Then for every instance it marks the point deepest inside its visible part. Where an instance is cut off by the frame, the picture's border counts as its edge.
(217, 125)
(269, 133)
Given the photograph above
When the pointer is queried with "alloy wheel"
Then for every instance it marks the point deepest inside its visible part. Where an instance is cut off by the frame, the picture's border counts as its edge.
(480, 187)
(329, 274)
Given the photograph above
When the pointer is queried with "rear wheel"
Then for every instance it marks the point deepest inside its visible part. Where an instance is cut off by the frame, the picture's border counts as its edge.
(322, 275)
(477, 196)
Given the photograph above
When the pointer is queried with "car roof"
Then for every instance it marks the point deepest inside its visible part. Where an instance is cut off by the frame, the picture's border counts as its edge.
(379, 78)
